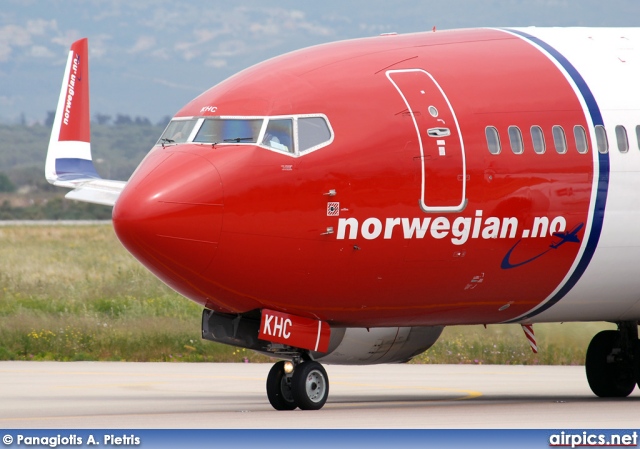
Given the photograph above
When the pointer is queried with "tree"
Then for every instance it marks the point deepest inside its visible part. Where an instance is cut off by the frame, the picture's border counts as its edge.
(122, 119)
(102, 119)
(5, 184)
(48, 122)
(142, 121)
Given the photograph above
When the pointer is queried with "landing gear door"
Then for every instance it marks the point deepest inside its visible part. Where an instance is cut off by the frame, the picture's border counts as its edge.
(442, 158)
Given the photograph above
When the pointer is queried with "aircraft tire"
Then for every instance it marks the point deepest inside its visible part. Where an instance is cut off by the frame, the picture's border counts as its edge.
(279, 389)
(310, 385)
(608, 379)
(637, 363)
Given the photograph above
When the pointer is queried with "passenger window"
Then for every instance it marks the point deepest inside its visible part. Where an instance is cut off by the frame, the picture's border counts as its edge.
(623, 140)
(581, 139)
(177, 131)
(493, 140)
(515, 139)
(601, 139)
(312, 132)
(279, 135)
(537, 136)
(229, 130)
(559, 139)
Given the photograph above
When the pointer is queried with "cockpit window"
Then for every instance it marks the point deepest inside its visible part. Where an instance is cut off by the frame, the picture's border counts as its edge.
(312, 131)
(178, 131)
(229, 130)
(279, 135)
(292, 135)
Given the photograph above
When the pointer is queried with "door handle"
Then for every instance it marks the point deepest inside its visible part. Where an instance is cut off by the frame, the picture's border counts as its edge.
(438, 132)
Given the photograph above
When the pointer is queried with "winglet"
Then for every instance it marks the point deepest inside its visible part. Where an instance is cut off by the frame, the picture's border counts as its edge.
(69, 162)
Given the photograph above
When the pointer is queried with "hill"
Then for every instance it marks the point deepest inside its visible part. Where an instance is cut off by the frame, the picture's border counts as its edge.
(117, 150)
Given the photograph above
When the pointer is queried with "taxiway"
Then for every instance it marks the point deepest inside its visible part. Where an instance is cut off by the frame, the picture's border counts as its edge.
(185, 395)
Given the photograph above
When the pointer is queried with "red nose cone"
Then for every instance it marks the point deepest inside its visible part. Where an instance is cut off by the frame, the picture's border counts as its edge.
(170, 215)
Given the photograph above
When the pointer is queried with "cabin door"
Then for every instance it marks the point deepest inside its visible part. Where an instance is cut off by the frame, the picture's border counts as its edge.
(442, 158)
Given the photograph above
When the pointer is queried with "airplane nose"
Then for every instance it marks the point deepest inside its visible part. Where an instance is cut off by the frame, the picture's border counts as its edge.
(169, 216)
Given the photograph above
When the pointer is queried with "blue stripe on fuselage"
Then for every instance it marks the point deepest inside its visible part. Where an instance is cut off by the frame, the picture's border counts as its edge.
(603, 175)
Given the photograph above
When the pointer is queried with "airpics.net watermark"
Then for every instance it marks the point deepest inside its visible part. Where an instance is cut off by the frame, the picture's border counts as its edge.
(591, 439)
(20, 440)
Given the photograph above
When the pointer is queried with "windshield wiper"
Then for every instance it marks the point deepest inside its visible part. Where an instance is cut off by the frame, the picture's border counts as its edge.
(238, 139)
(165, 140)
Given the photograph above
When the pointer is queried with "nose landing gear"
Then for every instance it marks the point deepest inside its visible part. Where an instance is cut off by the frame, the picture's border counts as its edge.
(297, 384)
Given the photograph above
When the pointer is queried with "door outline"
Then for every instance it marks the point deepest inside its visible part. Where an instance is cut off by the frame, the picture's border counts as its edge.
(463, 201)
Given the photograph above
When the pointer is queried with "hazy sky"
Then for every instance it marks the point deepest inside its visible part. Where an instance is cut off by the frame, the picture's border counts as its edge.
(148, 57)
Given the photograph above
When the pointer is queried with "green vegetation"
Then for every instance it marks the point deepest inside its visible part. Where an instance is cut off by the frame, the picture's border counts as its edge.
(117, 150)
(56, 208)
(5, 184)
(73, 293)
(505, 344)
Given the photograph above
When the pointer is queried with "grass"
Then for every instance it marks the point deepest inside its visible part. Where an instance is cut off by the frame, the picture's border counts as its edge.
(505, 344)
(73, 293)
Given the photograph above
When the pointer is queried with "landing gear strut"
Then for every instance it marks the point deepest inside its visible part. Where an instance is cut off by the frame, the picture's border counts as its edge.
(613, 362)
(297, 384)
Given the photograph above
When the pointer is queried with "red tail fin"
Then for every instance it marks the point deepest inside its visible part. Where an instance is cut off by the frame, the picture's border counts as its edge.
(75, 120)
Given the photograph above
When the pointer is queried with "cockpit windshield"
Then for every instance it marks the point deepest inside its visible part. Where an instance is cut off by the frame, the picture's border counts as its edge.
(229, 130)
(178, 131)
(294, 135)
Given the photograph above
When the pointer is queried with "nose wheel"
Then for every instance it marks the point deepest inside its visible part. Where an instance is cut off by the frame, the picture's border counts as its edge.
(304, 385)
(279, 389)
